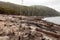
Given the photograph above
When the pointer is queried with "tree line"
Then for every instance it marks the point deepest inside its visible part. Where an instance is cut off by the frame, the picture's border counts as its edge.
(36, 10)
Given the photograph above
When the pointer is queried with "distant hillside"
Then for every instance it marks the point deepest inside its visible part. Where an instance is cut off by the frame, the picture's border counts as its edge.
(14, 9)
(43, 10)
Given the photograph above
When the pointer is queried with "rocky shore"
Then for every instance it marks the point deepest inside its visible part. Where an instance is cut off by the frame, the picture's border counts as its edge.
(15, 27)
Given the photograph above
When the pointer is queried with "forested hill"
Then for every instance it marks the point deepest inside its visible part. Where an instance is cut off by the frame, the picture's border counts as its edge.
(46, 10)
(14, 9)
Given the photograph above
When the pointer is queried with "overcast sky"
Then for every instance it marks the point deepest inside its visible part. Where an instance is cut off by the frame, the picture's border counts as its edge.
(55, 4)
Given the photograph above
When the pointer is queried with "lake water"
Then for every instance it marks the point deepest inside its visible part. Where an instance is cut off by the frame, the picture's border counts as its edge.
(55, 20)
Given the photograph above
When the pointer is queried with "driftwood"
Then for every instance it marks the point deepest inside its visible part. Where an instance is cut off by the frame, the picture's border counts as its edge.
(40, 29)
(49, 33)
(27, 28)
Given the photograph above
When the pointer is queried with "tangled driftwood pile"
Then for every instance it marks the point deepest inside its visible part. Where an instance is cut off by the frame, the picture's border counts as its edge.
(14, 27)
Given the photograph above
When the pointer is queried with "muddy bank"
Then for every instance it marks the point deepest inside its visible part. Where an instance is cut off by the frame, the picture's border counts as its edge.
(15, 27)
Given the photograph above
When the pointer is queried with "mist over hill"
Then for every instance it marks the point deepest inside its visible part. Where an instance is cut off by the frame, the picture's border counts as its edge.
(36, 10)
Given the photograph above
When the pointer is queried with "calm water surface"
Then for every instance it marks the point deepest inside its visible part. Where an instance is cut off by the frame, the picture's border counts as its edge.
(55, 20)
